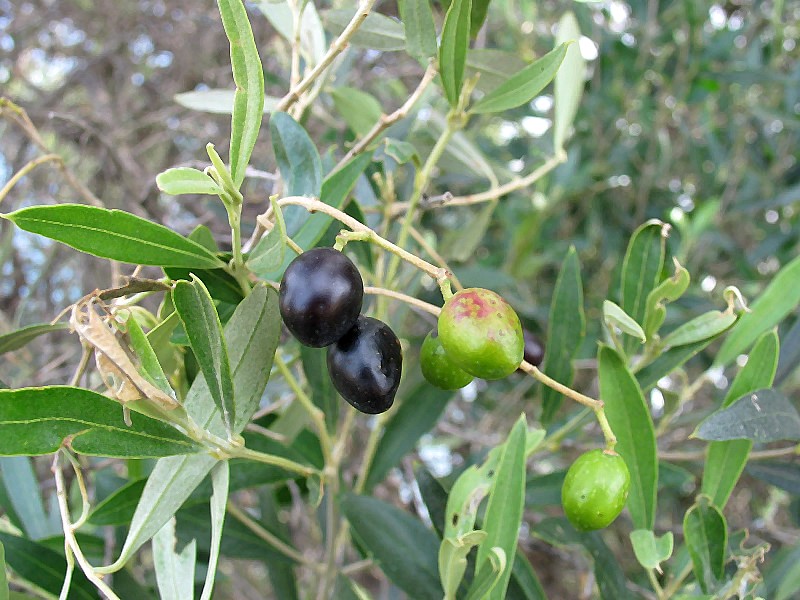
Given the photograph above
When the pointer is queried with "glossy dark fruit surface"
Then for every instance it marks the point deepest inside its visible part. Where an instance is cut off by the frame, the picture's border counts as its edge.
(321, 296)
(481, 333)
(437, 368)
(595, 490)
(534, 348)
(365, 365)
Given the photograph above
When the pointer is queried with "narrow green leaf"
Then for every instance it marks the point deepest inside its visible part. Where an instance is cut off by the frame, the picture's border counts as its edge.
(763, 416)
(36, 421)
(15, 340)
(113, 234)
(312, 36)
(25, 497)
(219, 282)
(726, 460)
(783, 475)
(631, 422)
(323, 394)
(614, 316)
(248, 75)
(702, 327)
(359, 109)
(299, 164)
(610, 579)
(435, 497)
(401, 152)
(200, 320)
(217, 102)
(220, 481)
(706, 535)
(780, 297)
(453, 48)
(150, 368)
(185, 180)
(404, 429)
(488, 574)
(524, 584)
(504, 509)
(118, 508)
(668, 290)
(377, 31)
(524, 85)
(668, 361)
(419, 28)
(3, 578)
(570, 80)
(252, 335)
(174, 570)
(565, 331)
(480, 10)
(651, 550)
(403, 547)
(44, 567)
(494, 67)
(641, 269)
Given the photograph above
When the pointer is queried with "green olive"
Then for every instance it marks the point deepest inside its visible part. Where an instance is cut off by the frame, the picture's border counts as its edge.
(481, 333)
(437, 367)
(595, 489)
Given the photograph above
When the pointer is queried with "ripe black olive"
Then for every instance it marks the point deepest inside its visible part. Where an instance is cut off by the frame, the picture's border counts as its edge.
(365, 365)
(321, 296)
(534, 348)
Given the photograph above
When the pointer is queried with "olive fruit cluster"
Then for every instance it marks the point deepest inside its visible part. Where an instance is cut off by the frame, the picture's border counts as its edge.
(320, 302)
(479, 335)
(595, 489)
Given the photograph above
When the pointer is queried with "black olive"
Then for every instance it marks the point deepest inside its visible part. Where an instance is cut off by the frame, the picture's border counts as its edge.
(321, 296)
(365, 365)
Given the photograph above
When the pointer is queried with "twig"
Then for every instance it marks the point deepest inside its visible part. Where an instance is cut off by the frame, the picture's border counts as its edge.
(387, 121)
(273, 540)
(69, 532)
(338, 45)
(491, 194)
(30, 166)
(421, 304)
(423, 243)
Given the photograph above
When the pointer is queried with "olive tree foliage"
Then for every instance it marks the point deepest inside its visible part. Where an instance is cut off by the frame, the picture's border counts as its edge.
(624, 174)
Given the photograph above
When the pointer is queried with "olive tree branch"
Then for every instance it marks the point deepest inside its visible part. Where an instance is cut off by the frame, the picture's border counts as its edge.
(387, 120)
(27, 168)
(492, 193)
(338, 45)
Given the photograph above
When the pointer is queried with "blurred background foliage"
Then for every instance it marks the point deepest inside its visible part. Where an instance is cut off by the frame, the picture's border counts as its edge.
(690, 114)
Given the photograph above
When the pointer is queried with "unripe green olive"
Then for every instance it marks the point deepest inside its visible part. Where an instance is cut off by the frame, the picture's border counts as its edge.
(595, 489)
(437, 367)
(481, 333)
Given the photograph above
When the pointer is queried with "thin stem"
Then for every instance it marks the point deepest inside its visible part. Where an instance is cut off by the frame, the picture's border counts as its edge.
(423, 243)
(387, 121)
(654, 582)
(755, 455)
(69, 532)
(317, 416)
(416, 302)
(30, 166)
(339, 44)
(369, 452)
(669, 590)
(560, 387)
(273, 540)
(493, 193)
(81, 368)
(269, 459)
(420, 184)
